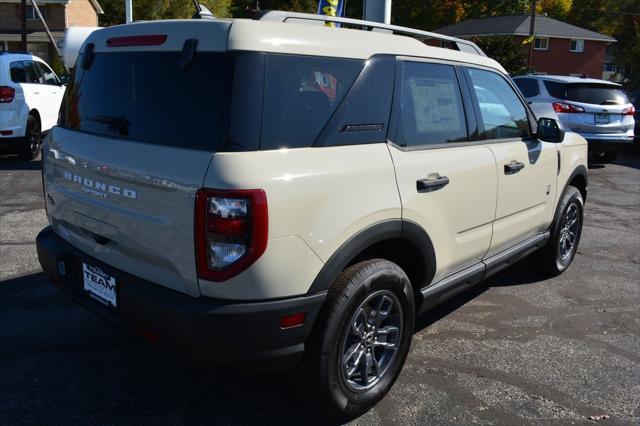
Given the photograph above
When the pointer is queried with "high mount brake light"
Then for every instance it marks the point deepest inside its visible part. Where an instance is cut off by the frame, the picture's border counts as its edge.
(231, 231)
(137, 40)
(564, 107)
(6, 94)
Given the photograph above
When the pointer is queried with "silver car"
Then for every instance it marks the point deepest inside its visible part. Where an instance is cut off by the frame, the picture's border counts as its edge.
(598, 110)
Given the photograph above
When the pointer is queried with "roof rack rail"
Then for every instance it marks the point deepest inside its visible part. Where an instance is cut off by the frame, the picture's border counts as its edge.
(455, 43)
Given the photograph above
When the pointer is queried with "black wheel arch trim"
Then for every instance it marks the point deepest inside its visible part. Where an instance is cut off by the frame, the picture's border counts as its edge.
(578, 171)
(392, 229)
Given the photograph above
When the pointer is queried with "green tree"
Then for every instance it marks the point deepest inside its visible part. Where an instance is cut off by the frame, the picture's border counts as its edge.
(148, 10)
(505, 49)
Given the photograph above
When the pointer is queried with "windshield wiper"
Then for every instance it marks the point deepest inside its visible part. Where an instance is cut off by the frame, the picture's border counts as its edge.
(117, 124)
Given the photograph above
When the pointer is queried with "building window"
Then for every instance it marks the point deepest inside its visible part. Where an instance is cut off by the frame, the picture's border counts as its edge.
(577, 46)
(541, 43)
(609, 67)
(32, 15)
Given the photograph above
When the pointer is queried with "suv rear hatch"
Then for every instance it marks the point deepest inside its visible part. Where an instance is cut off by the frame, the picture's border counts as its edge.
(603, 107)
(140, 121)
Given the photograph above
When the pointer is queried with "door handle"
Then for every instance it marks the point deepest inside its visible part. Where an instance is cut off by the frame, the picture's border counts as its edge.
(513, 167)
(430, 185)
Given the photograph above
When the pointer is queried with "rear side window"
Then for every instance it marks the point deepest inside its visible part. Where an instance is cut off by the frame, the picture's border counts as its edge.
(503, 114)
(32, 72)
(17, 72)
(528, 87)
(588, 93)
(431, 110)
(148, 97)
(300, 95)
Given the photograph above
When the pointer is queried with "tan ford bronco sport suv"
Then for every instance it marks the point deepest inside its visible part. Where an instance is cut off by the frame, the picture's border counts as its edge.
(279, 193)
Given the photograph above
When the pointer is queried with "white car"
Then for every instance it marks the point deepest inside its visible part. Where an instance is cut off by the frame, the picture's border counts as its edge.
(30, 97)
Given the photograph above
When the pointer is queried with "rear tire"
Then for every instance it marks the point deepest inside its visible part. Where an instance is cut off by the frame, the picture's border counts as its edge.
(556, 256)
(30, 147)
(359, 342)
(602, 157)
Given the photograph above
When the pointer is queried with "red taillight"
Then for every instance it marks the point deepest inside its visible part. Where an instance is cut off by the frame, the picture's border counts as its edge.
(231, 231)
(564, 107)
(6, 132)
(6, 94)
(289, 321)
(629, 111)
(137, 40)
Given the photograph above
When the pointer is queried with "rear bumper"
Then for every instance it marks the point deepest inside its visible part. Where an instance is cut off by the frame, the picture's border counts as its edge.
(606, 145)
(10, 144)
(245, 335)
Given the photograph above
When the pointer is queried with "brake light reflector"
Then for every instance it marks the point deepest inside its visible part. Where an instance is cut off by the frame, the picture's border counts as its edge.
(629, 111)
(6, 94)
(231, 231)
(289, 321)
(564, 107)
(137, 40)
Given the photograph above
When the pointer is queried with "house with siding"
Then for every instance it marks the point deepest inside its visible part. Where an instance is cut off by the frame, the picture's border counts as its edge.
(558, 48)
(58, 14)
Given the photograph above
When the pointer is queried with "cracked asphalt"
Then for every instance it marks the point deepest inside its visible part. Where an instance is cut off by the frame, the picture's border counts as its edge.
(515, 350)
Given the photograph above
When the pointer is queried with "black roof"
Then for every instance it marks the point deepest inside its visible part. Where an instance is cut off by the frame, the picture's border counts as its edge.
(519, 25)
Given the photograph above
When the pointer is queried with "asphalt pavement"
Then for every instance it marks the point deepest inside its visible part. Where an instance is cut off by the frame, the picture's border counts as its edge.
(515, 350)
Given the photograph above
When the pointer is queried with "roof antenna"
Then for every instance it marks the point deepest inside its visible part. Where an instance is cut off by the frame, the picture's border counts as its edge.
(201, 11)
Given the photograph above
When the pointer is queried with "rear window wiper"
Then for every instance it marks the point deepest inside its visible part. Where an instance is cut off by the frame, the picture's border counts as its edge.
(118, 124)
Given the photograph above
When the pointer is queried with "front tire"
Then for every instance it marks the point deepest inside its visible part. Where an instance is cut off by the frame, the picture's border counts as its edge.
(360, 340)
(30, 147)
(556, 256)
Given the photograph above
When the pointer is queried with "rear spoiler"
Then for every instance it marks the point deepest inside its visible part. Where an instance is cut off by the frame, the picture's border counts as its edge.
(73, 40)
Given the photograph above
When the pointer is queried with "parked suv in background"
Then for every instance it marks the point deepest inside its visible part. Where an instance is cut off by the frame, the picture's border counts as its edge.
(30, 97)
(300, 193)
(596, 109)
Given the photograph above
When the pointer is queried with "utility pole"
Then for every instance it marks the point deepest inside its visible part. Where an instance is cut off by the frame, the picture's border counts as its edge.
(23, 25)
(532, 25)
(128, 10)
(46, 27)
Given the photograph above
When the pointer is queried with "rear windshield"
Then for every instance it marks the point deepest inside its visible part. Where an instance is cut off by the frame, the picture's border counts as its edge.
(223, 102)
(146, 96)
(588, 93)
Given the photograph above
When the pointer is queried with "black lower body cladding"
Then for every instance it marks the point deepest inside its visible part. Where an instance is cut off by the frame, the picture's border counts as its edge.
(240, 334)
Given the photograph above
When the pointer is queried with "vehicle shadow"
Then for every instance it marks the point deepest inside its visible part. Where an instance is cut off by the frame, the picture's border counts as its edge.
(11, 162)
(70, 358)
(521, 273)
(139, 381)
(629, 159)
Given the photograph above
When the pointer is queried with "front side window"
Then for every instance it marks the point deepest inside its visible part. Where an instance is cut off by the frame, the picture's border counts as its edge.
(577, 46)
(47, 74)
(528, 87)
(431, 110)
(503, 114)
(17, 72)
(300, 95)
(541, 43)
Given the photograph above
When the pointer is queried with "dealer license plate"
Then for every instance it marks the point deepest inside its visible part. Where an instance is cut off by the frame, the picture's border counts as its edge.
(100, 285)
(602, 119)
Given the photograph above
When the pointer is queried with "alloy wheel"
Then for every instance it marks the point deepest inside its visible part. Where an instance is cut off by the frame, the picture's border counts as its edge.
(372, 341)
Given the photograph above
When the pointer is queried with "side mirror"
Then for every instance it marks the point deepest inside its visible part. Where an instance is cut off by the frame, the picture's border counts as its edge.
(64, 79)
(550, 130)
